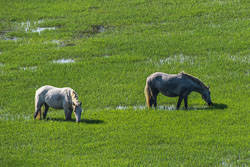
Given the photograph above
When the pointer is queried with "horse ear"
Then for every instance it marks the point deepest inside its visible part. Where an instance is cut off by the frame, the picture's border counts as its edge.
(80, 103)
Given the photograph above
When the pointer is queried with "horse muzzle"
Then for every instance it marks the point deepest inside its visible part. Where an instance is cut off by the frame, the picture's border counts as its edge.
(78, 116)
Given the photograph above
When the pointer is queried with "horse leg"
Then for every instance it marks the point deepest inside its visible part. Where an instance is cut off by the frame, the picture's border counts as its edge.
(179, 102)
(155, 98)
(155, 101)
(186, 101)
(68, 113)
(151, 101)
(45, 111)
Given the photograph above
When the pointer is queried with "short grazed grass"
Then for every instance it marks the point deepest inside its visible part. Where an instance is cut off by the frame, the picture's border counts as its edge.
(105, 50)
(122, 138)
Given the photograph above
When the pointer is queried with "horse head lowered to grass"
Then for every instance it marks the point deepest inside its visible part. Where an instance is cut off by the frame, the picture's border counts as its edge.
(57, 98)
(173, 85)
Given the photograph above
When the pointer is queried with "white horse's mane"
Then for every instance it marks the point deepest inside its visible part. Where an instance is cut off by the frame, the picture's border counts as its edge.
(74, 98)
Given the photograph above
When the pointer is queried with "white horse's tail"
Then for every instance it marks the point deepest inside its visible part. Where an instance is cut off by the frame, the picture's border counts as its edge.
(37, 114)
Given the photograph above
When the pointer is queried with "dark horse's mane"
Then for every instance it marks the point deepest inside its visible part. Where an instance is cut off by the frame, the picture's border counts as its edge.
(194, 79)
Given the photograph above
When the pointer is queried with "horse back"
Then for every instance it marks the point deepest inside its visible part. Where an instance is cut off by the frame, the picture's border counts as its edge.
(168, 84)
(159, 79)
(53, 96)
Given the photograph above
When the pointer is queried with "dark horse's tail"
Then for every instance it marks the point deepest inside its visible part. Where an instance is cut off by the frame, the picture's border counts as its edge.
(37, 114)
(148, 94)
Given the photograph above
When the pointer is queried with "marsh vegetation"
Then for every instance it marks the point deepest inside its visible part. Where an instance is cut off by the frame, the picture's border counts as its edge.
(105, 50)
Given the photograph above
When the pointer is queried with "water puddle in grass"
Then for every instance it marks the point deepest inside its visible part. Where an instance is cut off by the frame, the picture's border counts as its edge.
(136, 107)
(61, 44)
(5, 37)
(40, 29)
(98, 29)
(177, 59)
(180, 59)
(63, 61)
(28, 68)
(11, 117)
(10, 38)
(90, 32)
(143, 107)
(139, 107)
(27, 26)
(169, 108)
(159, 107)
(233, 160)
(240, 59)
(56, 42)
(121, 108)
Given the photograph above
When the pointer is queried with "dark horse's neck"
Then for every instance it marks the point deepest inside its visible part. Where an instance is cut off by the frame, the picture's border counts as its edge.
(197, 85)
(199, 90)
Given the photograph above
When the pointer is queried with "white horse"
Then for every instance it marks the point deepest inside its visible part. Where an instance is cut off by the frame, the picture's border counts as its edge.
(57, 98)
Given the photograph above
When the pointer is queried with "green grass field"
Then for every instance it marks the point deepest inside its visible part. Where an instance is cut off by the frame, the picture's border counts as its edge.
(108, 48)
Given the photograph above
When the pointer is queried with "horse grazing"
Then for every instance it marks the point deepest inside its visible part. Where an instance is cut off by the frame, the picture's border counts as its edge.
(57, 98)
(173, 85)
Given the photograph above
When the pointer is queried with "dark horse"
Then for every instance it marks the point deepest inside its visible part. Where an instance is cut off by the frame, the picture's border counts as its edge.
(173, 85)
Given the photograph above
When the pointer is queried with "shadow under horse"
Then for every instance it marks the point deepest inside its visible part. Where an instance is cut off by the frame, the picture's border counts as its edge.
(219, 106)
(214, 106)
(87, 121)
